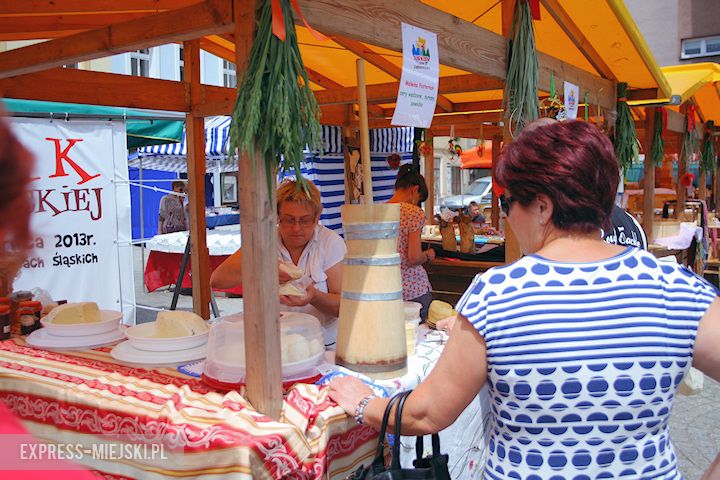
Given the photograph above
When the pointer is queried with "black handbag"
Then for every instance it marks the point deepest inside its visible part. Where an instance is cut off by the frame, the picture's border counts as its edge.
(427, 468)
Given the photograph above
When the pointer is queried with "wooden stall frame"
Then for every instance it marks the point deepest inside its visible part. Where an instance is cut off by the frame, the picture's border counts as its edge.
(27, 71)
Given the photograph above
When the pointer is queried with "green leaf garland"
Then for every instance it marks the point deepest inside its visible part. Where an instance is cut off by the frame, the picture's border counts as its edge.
(275, 111)
(521, 85)
(657, 150)
(707, 155)
(626, 143)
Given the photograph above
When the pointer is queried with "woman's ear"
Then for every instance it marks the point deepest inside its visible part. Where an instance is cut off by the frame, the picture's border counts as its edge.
(544, 208)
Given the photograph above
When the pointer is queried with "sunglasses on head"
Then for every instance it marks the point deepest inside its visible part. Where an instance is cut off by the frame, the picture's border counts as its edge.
(506, 202)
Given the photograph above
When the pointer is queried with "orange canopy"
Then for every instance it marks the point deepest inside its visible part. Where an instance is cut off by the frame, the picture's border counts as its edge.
(477, 157)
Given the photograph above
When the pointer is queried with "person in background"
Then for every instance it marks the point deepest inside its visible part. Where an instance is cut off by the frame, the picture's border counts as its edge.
(475, 213)
(411, 190)
(314, 248)
(582, 343)
(171, 217)
(625, 230)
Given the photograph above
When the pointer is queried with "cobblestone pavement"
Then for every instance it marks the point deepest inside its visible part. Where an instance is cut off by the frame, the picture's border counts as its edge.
(695, 429)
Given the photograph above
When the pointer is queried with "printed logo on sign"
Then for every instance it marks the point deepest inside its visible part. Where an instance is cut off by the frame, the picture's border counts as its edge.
(571, 100)
(65, 199)
(420, 52)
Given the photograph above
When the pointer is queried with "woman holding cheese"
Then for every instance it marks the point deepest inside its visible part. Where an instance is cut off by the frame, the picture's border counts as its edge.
(305, 249)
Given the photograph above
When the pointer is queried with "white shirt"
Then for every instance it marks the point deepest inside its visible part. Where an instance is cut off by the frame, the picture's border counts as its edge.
(324, 250)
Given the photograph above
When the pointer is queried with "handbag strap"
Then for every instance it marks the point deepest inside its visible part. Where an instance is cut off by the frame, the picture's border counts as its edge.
(419, 447)
(395, 462)
(380, 451)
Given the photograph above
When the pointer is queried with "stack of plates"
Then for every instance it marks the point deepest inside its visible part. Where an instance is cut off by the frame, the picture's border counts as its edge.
(73, 336)
(141, 348)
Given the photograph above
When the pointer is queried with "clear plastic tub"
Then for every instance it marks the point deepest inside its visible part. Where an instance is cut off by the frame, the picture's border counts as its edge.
(301, 341)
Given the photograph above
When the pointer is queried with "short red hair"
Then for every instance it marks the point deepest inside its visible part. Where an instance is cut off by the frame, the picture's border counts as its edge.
(573, 163)
(16, 165)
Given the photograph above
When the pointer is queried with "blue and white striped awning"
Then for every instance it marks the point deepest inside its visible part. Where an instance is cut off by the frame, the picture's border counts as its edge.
(326, 169)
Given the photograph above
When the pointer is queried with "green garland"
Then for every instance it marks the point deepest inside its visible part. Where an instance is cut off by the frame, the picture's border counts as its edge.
(707, 156)
(657, 150)
(690, 140)
(521, 87)
(275, 111)
(626, 144)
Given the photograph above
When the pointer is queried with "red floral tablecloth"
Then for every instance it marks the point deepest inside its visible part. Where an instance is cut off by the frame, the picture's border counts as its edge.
(86, 397)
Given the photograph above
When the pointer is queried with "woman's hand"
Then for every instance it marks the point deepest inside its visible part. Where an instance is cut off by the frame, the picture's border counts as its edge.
(283, 275)
(347, 393)
(430, 254)
(296, 301)
(446, 324)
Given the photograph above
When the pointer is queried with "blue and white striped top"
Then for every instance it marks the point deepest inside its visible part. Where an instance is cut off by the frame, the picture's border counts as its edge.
(583, 363)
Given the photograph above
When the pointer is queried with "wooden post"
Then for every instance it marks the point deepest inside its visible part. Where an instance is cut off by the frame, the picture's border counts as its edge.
(682, 169)
(702, 185)
(364, 133)
(649, 177)
(430, 178)
(195, 135)
(716, 191)
(495, 209)
(258, 227)
(348, 142)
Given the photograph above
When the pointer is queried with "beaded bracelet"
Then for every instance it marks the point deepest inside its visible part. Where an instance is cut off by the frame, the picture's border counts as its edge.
(360, 409)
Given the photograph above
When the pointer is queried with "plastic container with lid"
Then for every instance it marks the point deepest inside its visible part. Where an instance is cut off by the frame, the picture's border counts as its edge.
(301, 341)
(412, 320)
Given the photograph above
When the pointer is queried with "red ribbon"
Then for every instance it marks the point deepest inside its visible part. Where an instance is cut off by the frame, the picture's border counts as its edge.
(278, 21)
(691, 122)
(534, 8)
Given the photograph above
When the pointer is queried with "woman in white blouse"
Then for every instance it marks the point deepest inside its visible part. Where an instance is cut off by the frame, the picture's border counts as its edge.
(315, 249)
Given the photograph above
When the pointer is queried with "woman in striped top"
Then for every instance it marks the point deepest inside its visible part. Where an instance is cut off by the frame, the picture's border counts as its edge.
(582, 343)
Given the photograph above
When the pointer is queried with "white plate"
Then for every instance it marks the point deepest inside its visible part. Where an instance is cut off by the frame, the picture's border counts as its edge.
(139, 337)
(125, 352)
(109, 320)
(43, 338)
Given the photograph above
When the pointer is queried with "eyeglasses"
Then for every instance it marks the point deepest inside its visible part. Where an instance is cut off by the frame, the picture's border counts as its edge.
(304, 222)
(506, 202)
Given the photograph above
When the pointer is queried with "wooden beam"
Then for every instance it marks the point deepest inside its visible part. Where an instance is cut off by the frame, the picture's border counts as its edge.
(387, 92)
(209, 17)
(39, 7)
(649, 179)
(258, 224)
(371, 56)
(642, 94)
(10, 24)
(97, 88)
(464, 131)
(567, 24)
(494, 208)
(200, 256)
(463, 45)
(508, 11)
(450, 119)
(429, 160)
(328, 83)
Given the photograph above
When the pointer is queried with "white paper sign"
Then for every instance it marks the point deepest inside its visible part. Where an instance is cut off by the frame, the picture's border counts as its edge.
(572, 96)
(81, 217)
(418, 91)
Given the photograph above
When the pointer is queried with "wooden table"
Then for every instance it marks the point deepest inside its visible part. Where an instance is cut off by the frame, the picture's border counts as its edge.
(450, 277)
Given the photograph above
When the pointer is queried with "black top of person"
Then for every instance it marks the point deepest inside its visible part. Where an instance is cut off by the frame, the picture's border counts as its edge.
(625, 230)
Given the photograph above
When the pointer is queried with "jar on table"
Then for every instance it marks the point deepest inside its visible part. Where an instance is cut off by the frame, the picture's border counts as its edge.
(29, 316)
(412, 320)
(16, 299)
(4, 322)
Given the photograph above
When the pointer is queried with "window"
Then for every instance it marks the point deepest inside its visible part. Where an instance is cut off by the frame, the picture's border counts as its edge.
(140, 63)
(181, 62)
(229, 75)
(700, 47)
